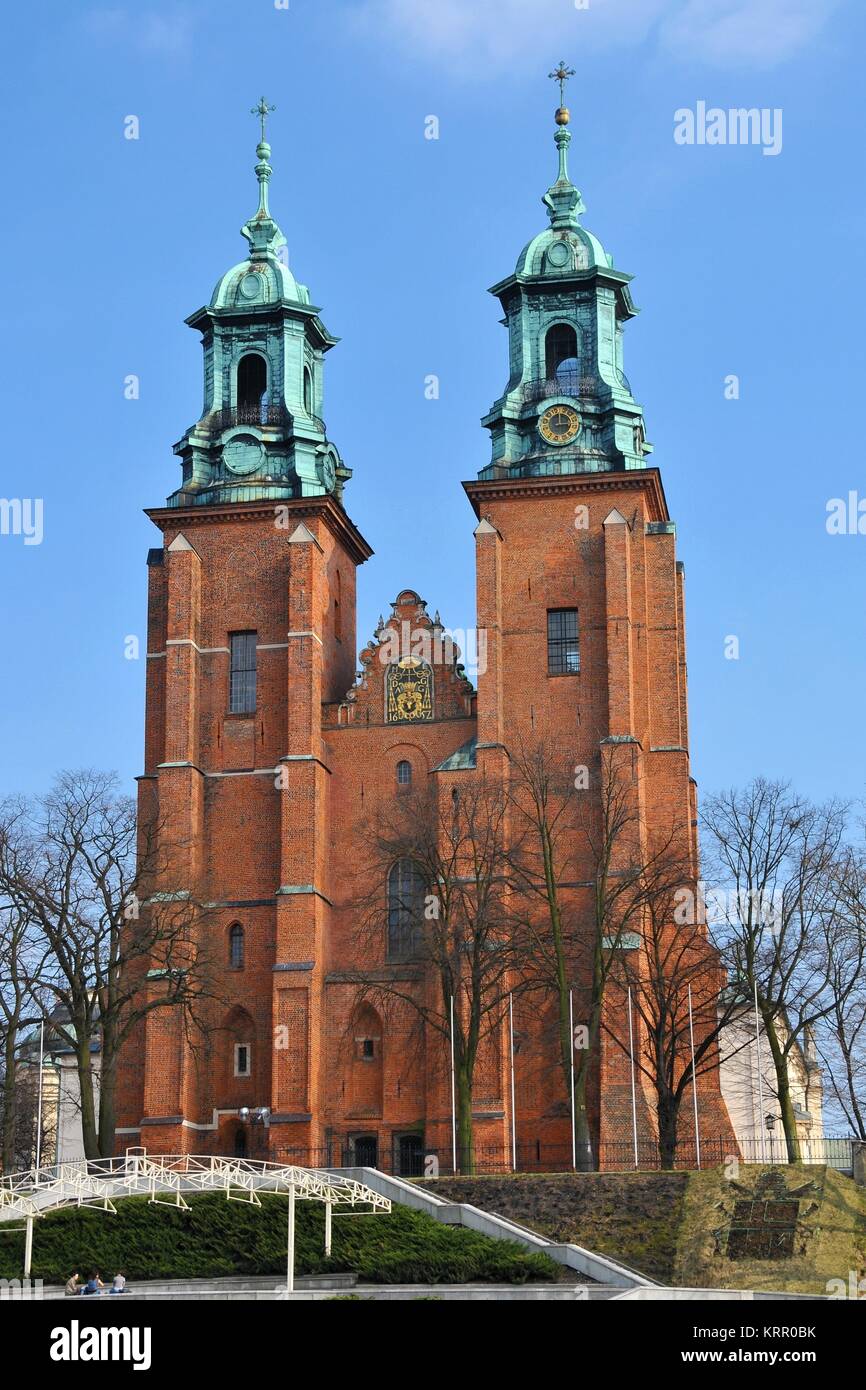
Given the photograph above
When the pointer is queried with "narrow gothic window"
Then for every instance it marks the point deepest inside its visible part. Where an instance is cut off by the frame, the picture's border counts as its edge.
(308, 391)
(252, 388)
(561, 357)
(338, 617)
(406, 892)
(236, 947)
(242, 686)
(404, 773)
(563, 650)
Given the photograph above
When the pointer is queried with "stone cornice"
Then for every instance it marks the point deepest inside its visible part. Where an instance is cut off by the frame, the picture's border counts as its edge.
(647, 480)
(325, 508)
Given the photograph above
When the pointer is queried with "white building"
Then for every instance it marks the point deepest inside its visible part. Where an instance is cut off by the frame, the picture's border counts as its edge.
(62, 1136)
(749, 1086)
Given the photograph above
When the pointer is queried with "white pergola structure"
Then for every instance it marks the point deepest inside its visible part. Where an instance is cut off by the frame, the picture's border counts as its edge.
(165, 1178)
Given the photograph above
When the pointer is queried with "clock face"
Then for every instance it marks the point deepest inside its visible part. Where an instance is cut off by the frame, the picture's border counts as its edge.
(559, 424)
(328, 472)
(243, 454)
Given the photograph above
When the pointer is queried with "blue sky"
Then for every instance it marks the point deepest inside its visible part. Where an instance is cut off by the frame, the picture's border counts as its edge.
(744, 264)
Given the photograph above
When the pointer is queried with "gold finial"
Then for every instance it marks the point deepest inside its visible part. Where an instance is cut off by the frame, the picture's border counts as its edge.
(561, 75)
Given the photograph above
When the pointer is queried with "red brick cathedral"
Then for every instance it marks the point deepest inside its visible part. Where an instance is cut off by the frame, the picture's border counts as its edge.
(267, 751)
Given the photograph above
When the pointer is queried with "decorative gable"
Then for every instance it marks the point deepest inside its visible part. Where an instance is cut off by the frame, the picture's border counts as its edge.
(410, 670)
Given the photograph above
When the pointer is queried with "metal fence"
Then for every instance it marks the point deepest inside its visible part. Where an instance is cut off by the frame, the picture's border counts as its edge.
(408, 1156)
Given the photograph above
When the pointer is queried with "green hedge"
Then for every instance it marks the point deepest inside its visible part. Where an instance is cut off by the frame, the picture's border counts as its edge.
(217, 1237)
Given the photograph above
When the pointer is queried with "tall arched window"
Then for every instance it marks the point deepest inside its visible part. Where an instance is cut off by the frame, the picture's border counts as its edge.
(561, 358)
(308, 391)
(252, 395)
(236, 946)
(404, 773)
(406, 893)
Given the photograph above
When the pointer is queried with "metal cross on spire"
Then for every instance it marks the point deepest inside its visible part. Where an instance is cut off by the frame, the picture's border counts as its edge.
(561, 75)
(262, 110)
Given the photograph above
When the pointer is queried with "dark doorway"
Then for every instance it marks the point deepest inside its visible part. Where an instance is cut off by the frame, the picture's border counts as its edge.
(410, 1156)
(366, 1148)
(240, 1143)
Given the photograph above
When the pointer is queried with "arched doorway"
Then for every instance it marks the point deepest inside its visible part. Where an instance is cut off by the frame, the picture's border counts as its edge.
(365, 1149)
(410, 1156)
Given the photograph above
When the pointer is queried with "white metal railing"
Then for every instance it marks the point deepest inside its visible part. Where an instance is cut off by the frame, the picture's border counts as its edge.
(94, 1182)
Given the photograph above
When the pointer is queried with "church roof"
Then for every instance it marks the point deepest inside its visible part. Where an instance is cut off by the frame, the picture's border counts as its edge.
(462, 759)
(565, 246)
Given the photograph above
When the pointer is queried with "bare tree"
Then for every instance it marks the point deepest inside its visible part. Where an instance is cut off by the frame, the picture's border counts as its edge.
(70, 868)
(591, 837)
(22, 966)
(675, 980)
(773, 857)
(841, 1033)
(437, 893)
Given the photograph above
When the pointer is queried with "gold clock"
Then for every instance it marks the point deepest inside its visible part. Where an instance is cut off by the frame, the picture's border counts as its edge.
(409, 689)
(559, 424)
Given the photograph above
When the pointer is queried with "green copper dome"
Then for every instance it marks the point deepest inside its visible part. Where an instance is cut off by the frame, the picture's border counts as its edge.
(561, 253)
(261, 434)
(567, 406)
(264, 278)
(565, 246)
(257, 282)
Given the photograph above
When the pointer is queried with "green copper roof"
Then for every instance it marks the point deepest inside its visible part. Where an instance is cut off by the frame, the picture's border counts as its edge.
(261, 434)
(462, 759)
(263, 278)
(565, 309)
(565, 245)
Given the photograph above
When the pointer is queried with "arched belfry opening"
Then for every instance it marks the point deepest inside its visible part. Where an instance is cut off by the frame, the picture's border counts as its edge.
(562, 356)
(252, 393)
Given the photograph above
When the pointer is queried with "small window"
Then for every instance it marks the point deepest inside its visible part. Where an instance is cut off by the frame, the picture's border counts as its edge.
(236, 947)
(242, 1059)
(563, 651)
(242, 691)
(308, 391)
(404, 773)
(368, 1049)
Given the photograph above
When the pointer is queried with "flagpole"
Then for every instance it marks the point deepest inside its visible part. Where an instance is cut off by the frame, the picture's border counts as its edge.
(694, 1080)
(453, 1098)
(760, 1081)
(39, 1106)
(571, 1057)
(513, 1113)
(633, 1096)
